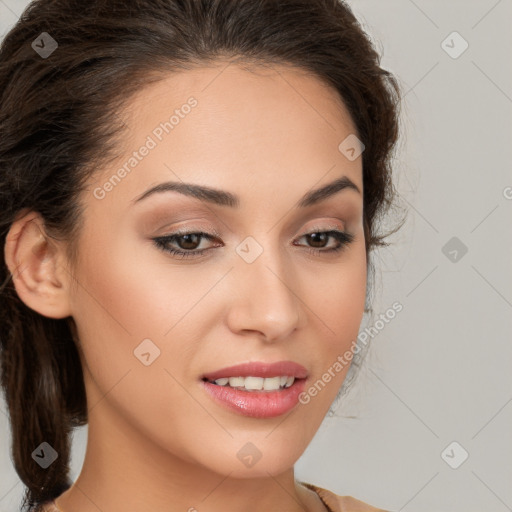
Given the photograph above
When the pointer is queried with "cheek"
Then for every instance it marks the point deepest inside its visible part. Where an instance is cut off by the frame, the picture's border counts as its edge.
(343, 295)
(131, 291)
(120, 304)
(338, 308)
(129, 295)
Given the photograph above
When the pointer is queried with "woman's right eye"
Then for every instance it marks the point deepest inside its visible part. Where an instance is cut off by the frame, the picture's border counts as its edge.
(187, 243)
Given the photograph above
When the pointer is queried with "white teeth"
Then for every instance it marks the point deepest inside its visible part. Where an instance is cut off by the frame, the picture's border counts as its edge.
(257, 383)
(271, 383)
(236, 382)
(253, 382)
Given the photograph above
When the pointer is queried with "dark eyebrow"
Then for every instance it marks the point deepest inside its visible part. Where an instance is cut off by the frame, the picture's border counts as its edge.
(223, 198)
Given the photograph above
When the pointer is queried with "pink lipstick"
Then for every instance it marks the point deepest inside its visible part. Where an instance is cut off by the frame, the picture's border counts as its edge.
(256, 389)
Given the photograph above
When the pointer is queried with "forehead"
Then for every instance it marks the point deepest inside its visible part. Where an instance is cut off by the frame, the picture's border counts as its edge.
(235, 125)
(239, 88)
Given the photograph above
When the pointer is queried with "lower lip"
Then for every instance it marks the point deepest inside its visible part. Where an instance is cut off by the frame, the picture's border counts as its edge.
(257, 404)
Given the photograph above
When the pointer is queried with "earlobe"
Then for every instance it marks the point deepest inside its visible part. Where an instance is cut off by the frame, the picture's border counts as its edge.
(35, 262)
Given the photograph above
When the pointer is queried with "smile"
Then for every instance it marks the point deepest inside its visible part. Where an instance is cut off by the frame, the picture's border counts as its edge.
(257, 389)
(256, 383)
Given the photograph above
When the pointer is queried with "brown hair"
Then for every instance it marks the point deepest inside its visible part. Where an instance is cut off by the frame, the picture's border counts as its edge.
(58, 122)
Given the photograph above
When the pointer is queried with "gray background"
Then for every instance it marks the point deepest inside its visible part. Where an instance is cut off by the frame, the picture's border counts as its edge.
(440, 371)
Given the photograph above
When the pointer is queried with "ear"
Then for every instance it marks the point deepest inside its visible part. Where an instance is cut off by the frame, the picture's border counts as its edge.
(38, 267)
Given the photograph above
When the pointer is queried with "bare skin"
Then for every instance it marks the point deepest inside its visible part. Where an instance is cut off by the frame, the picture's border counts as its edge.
(157, 441)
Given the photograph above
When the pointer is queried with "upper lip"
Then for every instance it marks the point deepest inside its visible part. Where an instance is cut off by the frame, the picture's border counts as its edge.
(260, 369)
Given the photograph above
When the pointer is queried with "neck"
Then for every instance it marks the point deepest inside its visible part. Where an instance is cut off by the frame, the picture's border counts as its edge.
(123, 470)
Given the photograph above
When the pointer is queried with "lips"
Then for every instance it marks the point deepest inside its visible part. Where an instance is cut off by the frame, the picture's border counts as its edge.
(257, 402)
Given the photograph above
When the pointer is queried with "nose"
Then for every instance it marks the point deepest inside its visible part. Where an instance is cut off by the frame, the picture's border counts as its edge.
(264, 299)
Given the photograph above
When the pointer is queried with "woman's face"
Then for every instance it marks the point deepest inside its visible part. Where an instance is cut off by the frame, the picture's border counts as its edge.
(155, 327)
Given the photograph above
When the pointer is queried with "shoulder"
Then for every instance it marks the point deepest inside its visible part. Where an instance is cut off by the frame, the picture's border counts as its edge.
(332, 501)
(335, 503)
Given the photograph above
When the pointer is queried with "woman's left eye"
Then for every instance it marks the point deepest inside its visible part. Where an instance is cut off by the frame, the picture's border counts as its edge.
(188, 242)
(318, 237)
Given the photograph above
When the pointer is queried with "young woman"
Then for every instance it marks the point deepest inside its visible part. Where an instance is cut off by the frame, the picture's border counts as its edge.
(190, 192)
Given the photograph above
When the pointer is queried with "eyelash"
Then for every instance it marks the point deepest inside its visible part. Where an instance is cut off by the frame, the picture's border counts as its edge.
(343, 238)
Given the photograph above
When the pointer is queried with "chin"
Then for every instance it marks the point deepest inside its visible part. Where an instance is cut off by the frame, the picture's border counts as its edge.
(256, 456)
